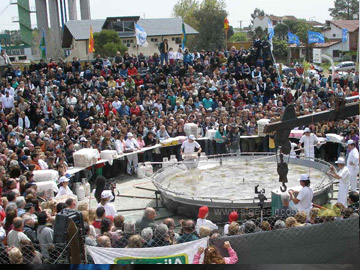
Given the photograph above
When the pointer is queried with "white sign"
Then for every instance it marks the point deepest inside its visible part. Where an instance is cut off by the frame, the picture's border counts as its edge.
(317, 56)
(173, 254)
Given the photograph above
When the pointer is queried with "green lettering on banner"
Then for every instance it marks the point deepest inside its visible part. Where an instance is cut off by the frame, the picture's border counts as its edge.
(174, 259)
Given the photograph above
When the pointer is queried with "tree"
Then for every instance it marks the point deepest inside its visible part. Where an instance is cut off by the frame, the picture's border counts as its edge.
(210, 16)
(257, 12)
(281, 31)
(230, 32)
(259, 32)
(107, 43)
(344, 9)
(238, 37)
(280, 48)
(185, 9)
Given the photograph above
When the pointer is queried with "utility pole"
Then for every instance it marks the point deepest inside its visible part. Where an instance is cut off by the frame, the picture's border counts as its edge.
(240, 24)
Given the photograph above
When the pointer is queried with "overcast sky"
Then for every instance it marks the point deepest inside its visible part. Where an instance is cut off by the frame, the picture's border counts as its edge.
(237, 9)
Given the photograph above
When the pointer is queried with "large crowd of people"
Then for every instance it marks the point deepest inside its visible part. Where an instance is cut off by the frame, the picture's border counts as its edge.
(50, 110)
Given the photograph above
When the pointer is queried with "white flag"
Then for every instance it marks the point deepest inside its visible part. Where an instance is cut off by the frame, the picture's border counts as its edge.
(141, 36)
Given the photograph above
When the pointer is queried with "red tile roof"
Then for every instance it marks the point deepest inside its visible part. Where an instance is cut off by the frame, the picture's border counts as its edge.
(327, 44)
(351, 25)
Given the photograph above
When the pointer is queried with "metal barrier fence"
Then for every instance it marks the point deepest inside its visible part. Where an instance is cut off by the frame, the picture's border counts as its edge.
(30, 253)
(335, 242)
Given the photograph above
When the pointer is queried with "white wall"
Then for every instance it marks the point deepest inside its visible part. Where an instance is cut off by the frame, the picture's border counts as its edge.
(258, 22)
(152, 45)
(329, 51)
(334, 30)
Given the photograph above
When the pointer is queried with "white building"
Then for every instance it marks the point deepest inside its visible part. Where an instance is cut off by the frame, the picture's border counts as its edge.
(333, 32)
(77, 33)
(262, 21)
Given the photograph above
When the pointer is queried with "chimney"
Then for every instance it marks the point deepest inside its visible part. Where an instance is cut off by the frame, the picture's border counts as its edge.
(85, 10)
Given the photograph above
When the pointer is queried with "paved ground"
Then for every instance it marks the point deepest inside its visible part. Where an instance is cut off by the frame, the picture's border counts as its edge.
(126, 185)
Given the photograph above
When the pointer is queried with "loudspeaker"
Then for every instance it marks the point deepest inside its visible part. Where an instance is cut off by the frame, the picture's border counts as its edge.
(62, 224)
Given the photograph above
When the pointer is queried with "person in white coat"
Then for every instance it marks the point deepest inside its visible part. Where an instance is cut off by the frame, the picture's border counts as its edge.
(309, 140)
(202, 221)
(304, 197)
(131, 145)
(23, 121)
(343, 175)
(64, 188)
(352, 162)
(106, 197)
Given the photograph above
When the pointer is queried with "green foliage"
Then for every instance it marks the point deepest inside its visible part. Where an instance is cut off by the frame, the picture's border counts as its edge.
(207, 18)
(257, 12)
(238, 37)
(185, 10)
(281, 31)
(280, 49)
(107, 43)
(344, 9)
(301, 28)
(259, 32)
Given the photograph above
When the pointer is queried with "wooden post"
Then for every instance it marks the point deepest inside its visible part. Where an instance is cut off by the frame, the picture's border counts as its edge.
(76, 247)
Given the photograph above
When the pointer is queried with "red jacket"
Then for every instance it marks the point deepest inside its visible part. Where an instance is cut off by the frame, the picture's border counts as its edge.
(135, 111)
(132, 71)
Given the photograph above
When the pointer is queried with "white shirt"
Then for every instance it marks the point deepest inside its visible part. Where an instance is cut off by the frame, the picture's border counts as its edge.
(109, 209)
(206, 223)
(354, 158)
(345, 176)
(131, 144)
(189, 147)
(309, 142)
(64, 191)
(7, 102)
(14, 238)
(305, 196)
(10, 90)
(116, 104)
(119, 146)
(43, 165)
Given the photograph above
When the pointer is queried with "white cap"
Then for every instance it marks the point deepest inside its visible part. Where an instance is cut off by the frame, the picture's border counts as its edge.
(307, 130)
(304, 177)
(346, 122)
(192, 137)
(83, 139)
(63, 179)
(107, 194)
(72, 120)
(340, 160)
(129, 135)
(350, 142)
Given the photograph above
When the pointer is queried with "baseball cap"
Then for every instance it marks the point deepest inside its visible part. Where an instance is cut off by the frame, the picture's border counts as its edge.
(304, 177)
(129, 134)
(340, 160)
(192, 137)
(307, 130)
(83, 139)
(350, 142)
(23, 158)
(63, 179)
(28, 206)
(107, 194)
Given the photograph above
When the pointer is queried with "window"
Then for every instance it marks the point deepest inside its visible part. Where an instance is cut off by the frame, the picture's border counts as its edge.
(334, 35)
(153, 39)
(178, 40)
(126, 26)
(336, 53)
(128, 45)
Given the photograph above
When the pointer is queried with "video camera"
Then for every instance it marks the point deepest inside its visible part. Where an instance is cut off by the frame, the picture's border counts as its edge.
(261, 196)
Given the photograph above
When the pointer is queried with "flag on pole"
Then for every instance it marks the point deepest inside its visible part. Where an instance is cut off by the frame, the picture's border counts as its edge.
(226, 24)
(344, 35)
(183, 37)
(42, 46)
(91, 41)
(0, 47)
(315, 37)
(270, 31)
(140, 36)
(293, 39)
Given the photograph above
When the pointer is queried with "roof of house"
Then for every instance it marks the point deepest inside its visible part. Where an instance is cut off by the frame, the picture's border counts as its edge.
(165, 27)
(327, 44)
(272, 17)
(351, 25)
(80, 29)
